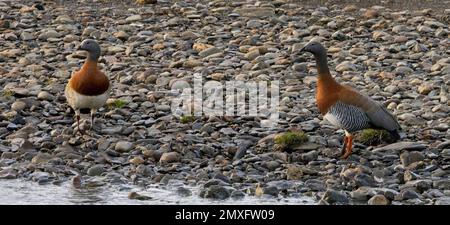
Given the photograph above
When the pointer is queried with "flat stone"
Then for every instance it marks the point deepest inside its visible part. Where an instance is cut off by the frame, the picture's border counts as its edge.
(256, 12)
(346, 66)
(408, 158)
(209, 51)
(169, 157)
(41, 158)
(401, 146)
(133, 18)
(123, 146)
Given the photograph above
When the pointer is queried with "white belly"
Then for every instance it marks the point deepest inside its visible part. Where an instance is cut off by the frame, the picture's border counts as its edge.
(332, 119)
(79, 101)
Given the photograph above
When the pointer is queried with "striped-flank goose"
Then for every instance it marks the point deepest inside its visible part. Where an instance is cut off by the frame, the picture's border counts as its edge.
(345, 107)
(89, 87)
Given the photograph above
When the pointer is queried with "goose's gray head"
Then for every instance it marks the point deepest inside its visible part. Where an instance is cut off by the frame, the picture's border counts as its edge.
(92, 47)
(315, 48)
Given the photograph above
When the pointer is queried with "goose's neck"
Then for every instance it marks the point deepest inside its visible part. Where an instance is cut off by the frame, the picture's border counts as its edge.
(90, 64)
(322, 65)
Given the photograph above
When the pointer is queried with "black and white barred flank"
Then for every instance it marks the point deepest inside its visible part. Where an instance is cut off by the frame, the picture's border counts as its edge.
(348, 117)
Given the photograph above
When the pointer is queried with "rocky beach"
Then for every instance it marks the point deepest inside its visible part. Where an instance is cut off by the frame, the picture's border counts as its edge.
(398, 56)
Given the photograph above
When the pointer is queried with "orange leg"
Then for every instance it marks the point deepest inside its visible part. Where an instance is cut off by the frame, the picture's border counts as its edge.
(348, 152)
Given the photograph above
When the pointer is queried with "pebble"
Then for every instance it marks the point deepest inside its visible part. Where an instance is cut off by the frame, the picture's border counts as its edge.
(137, 196)
(408, 158)
(346, 66)
(133, 18)
(123, 146)
(183, 192)
(43, 95)
(169, 157)
(18, 106)
(294, 172)
(378, 200)
(96, 170)
(209, 51)
(41, 158)
(335, 197)
(137, 160)
(216, 192)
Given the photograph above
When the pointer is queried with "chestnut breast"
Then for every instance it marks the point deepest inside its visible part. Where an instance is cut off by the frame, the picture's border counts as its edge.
(327, 93)
(89, 80)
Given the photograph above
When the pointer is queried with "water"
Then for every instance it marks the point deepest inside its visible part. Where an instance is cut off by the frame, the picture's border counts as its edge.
(19, 192)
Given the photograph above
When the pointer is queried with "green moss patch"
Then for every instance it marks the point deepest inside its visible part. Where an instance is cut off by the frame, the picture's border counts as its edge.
(291, 139)
(117, 104)
(373, 137)
(7, 93)
(187, 119)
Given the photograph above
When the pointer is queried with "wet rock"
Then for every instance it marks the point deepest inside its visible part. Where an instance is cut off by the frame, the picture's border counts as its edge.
(442, 184)
(271, 190)
(443, 201)
(335, 197)
(137, 196)
(378, 200)
(96, 170)
(183, 192)
(409, 194)
(76, 181)
(215, 192)
(362, 193)
(364, 180)
(419, 185)
(8, 174)
(315, 185)
(237, 194)
(215, 181)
